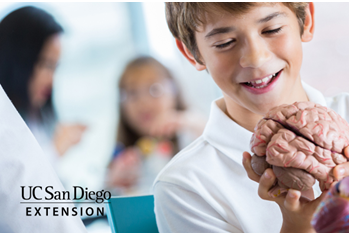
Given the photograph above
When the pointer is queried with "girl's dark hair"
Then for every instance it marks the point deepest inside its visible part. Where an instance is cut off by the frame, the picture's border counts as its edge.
(23, 33)
(128, 136)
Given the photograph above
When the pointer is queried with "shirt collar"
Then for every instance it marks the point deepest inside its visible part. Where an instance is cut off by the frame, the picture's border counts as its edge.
(229, 137)
(314, 95)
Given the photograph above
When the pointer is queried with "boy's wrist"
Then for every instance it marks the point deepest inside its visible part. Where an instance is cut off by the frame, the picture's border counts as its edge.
(291, 228)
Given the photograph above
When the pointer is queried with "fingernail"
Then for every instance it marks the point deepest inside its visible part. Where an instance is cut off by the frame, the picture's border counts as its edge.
(291, 194)
(266, 174)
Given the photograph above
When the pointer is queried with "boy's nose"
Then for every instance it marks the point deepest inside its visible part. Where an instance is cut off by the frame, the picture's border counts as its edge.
(254, 54)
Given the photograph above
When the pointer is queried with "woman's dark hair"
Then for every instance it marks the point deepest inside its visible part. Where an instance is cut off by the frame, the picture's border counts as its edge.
(23, 33)
(128, 136)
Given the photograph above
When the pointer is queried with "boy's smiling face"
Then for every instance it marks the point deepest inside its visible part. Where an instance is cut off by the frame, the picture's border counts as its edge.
(255, 57)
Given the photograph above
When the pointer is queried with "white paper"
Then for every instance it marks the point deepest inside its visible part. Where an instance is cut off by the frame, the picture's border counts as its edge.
(22, 163)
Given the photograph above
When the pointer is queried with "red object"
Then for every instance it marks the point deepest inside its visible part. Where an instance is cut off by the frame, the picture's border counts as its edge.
(165, 148)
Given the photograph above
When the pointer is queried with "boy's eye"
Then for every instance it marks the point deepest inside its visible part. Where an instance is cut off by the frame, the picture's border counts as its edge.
(220, 46)
(274, 31)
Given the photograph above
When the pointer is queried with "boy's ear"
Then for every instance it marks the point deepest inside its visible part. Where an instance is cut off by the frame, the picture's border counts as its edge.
(189, 56)
(308, 32)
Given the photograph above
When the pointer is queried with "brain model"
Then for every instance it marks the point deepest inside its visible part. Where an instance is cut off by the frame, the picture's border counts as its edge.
(301, 142)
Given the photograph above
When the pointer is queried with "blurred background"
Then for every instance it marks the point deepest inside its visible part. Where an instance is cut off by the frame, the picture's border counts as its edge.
(99, 39)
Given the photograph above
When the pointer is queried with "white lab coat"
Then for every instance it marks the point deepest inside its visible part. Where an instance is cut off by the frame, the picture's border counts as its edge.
(22, 163)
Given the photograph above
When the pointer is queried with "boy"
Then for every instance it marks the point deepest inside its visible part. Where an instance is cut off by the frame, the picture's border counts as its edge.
(253, 51)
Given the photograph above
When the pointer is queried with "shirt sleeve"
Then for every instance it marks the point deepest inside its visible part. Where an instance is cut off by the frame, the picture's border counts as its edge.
(181, 210)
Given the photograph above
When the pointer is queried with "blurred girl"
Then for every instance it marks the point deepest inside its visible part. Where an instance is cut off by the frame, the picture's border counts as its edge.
(29, 52)
(154, 125)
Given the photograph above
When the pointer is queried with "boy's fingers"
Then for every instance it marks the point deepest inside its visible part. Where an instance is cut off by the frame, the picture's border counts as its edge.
(292, 200)
(341, 171)
(246, 162)
(266, 182)
(346, 151)
(333, 184)
(317, 201)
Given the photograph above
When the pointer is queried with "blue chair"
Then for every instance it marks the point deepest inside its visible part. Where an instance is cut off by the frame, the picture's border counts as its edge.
(132, 214)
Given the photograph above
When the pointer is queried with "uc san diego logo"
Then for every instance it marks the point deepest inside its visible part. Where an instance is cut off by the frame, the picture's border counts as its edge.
(45, 201)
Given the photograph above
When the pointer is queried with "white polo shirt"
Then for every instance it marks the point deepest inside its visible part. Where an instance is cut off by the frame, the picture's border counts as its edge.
(205, 187)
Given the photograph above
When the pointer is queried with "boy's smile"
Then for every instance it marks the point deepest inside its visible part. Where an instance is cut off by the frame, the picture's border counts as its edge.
(255, 59)
(262, 85)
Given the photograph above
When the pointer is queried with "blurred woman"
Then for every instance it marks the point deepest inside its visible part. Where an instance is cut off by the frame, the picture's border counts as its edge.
(29, 52)
(154, 125)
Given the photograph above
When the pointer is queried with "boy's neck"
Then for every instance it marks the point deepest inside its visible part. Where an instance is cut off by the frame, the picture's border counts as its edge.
(248, 119)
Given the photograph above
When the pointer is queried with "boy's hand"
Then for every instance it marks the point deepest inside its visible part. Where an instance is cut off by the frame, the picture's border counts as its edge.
(246, 161)
(297, 211)
(342, 170)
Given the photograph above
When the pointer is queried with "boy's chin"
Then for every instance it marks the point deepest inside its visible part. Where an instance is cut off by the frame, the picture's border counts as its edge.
(264, 103)
(262, 109)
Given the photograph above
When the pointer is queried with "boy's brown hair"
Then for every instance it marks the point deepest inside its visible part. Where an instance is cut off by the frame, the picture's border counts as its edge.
(183, 18)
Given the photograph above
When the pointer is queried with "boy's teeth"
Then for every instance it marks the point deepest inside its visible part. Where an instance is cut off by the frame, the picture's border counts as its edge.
(264, 80)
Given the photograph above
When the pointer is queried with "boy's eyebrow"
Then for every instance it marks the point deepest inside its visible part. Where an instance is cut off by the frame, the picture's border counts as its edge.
(271, 16)
(230, 29)
(219, 31)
